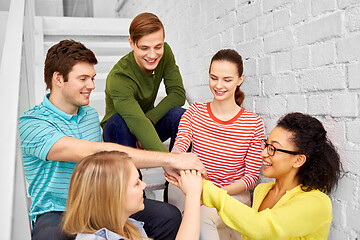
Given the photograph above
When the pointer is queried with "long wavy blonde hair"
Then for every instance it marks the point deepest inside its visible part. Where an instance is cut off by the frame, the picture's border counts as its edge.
(96, 194)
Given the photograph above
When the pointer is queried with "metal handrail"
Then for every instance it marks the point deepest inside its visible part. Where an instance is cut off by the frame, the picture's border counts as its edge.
(12, 70)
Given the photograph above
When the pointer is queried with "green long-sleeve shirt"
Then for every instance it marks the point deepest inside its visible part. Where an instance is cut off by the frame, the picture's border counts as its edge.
(131, 93)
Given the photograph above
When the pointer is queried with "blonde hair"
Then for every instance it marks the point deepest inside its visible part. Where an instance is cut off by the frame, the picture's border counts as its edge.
(96, 194)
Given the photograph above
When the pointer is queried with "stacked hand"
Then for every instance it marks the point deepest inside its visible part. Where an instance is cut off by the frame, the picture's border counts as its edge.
(190, 181)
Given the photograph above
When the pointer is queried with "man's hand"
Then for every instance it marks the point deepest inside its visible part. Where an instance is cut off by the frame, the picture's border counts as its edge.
(183, 161)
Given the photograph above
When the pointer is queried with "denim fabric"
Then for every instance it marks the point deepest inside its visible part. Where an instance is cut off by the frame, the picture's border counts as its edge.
(116, 130)
(105, 234)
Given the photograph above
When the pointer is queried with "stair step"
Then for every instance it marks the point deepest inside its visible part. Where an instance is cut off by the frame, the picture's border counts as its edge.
(86, 26)
(97, 101)
(154, 178)
(100, 81)
(99, 48)
(105, 65)
(101, 76)
(108, 59)
(97, 96)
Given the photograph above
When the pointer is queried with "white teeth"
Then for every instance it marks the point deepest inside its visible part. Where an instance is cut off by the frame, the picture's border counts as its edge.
(151, 61)
(266, 164)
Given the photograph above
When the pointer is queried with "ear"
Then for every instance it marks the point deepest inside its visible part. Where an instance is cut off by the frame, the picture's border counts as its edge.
(301, 159)
(241, 80)
(132, 44)
(57, 79)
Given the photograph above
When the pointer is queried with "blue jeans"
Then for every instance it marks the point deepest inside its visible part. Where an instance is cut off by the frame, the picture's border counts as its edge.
(116, 130)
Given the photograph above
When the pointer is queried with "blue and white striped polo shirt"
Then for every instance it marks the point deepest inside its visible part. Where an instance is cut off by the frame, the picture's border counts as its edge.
(40, 127)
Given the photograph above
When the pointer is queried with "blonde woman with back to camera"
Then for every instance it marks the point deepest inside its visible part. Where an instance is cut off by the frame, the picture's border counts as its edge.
(105, 190)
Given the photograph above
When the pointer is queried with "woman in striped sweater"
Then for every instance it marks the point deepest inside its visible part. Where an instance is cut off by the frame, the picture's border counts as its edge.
(225, 136)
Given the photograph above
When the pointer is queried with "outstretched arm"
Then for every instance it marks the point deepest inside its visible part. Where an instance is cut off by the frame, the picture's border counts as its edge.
(302, 215)
(72, 149)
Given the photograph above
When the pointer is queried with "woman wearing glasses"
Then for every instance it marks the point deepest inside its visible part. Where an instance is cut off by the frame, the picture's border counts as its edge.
(225, 136)
(306, 167)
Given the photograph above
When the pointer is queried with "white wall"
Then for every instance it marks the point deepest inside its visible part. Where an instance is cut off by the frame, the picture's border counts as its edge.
(300, 55)
(102, 10)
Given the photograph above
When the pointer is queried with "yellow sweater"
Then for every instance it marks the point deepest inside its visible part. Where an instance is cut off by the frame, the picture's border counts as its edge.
(297, 215)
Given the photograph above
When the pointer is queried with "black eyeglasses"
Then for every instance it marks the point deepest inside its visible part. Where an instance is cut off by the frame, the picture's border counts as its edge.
(271, 150)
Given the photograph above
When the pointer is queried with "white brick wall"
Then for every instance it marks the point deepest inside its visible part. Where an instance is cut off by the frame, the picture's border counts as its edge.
(299, 55)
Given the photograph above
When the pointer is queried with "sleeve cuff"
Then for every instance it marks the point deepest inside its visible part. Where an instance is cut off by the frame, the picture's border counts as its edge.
(212, 196)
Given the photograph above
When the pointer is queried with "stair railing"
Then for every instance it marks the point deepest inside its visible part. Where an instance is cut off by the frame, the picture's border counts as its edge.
(16, 94)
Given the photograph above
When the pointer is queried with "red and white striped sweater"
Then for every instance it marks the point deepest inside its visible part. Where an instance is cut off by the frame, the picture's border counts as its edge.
(230, 150)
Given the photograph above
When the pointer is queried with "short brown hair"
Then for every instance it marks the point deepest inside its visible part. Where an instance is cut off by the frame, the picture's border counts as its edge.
(144, 24)
(63, 56)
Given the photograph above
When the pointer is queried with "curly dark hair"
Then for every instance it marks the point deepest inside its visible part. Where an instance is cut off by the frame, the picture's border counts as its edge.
(63, 56)
(322, 168)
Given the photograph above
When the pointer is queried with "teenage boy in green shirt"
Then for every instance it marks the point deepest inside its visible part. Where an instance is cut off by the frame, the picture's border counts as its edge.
(132, 85)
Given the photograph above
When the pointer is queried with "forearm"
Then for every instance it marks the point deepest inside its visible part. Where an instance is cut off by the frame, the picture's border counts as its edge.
(190, 224)
(301, 215)
(73, 150)
(140, 126)
(166, 104)
(235, 187)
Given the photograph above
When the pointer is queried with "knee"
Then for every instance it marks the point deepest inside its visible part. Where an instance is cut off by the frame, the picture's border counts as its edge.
(115, 128)
(171, 215)
(209, 216)
(115, 121)
(175, 114)
(177, 111)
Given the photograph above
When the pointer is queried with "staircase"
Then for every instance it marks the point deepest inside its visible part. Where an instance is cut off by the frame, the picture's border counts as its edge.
(108, 39)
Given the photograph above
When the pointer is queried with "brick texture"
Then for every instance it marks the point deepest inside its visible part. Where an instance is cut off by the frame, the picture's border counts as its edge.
(301, 55)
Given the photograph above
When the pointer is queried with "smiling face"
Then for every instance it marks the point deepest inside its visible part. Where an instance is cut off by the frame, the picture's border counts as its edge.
(133, 200)
(76, 91)
(281, 164)
(223, 80)
(148, 50)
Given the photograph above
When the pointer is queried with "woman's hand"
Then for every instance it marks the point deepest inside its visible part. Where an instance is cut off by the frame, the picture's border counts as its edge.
(190, 181)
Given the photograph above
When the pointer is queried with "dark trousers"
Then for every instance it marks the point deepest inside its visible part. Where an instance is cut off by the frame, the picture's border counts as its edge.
(162, 221)
(48, 226)
(116, 130)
